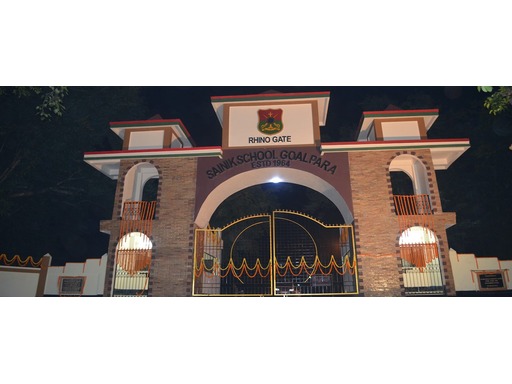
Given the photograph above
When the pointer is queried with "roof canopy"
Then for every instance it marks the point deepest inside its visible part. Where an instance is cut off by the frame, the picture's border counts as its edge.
(175, 124)
(365, 125)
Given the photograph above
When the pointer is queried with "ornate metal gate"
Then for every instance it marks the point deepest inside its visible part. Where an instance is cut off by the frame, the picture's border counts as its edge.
(278, 254)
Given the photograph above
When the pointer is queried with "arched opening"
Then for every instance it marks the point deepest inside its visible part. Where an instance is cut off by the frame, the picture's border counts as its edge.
(135, 188)
(140, 192)
(132, 262)
(274, 176)
(268, 197)
(419, 252)
(415, 169)
(409, 184)
(150, 190)
(401, 183)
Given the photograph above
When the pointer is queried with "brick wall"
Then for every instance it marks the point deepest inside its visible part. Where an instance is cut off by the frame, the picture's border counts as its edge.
(173, 231)
(380, 275)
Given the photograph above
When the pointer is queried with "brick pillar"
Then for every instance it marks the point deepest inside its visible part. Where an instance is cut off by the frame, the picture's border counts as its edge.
(112, 226)
(375, 225)
(173, 229)
(380, 275)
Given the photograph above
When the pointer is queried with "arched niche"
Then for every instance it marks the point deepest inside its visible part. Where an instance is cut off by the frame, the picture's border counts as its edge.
(413, 167)
(135, 180)
(419, 247)
(421, 265)
(133, 259)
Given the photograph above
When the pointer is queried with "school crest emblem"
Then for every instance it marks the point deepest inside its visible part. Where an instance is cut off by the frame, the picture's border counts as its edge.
(270, 121)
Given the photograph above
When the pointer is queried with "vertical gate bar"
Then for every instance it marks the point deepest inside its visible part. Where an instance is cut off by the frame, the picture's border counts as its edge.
(194, 263)
(272, 251)
(354, 258)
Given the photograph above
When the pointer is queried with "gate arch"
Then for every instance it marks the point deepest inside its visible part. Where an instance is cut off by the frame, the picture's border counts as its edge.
(265, 175)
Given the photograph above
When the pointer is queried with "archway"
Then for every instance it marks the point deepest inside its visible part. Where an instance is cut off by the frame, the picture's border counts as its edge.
(419, 252)
(268, 197)
(136, 180)
(271, 248)
(133, 258)
(409, 184)
(266, 175)
(415, 169)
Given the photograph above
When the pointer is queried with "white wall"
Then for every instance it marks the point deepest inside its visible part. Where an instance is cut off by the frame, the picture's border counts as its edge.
(466, 266)
(93, 269)
(16, 283)
(400, 130)
(146, 140)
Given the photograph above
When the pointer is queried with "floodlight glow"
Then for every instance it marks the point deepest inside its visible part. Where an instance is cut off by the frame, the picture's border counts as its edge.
(135, 240)
(275, 180)
(417, 235)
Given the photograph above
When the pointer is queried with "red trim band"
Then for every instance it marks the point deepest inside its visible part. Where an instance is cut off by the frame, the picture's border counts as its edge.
(396, 142)
(401, 111)
(269, 95)
(151, 150)
(147, 122)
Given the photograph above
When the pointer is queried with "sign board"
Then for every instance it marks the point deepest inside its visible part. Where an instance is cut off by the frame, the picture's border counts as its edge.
(491, 281)
(321, 281)
(277, 124)
(71, 285)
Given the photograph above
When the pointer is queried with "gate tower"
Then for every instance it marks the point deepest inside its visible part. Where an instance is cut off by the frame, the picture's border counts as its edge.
(167, 190)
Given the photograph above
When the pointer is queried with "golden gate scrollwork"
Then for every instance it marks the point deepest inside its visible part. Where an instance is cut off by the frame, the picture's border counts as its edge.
(284, 253)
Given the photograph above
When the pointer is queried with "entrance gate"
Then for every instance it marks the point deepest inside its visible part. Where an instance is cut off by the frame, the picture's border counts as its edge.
(284, 253)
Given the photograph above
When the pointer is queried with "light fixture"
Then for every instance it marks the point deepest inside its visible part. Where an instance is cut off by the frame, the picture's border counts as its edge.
(275, 180)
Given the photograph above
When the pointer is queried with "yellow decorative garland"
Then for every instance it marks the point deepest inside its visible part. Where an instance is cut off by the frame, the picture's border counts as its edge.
(17, 259)
(280, 269)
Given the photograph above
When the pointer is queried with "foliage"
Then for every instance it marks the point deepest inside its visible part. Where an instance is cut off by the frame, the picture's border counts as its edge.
(499, 101)
(51, 201)
(51, 99)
